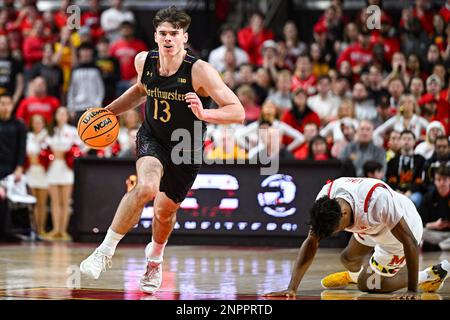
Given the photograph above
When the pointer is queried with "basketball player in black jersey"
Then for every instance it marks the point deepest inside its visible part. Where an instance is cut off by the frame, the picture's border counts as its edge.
(174, 84)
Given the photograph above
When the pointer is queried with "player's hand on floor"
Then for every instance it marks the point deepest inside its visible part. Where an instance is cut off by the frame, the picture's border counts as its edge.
(284, 293)
(409, 295)
(196, 105)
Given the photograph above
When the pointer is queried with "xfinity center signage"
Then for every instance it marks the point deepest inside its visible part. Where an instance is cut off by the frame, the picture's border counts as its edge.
(224, 200)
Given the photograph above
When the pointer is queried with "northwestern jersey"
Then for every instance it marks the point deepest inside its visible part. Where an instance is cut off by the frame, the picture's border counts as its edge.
(166, 109)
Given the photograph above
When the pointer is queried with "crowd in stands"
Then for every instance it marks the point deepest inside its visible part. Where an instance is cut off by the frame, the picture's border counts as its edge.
(376, 99)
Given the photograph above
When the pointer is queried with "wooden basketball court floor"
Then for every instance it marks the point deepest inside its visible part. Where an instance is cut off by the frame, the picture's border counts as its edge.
(41, 271)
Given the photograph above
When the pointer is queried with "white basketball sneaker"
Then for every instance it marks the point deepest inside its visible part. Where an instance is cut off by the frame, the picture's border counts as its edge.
(151, 281)
(93, 265)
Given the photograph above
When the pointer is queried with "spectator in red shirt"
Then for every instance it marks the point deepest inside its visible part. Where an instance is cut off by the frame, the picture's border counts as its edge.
(33, 45)
(124, 50)
(359, 55)
(91, 19)
(331, 22)
(303, 76)
(37, 103)
(423, 13)
(252, 37)
(445, 11)
(433, 104)
(311, 131)
(26, 18)
(391, 44)
(443, 109)
(300, 114)
(61, 15)
(3, 21)
(318, 149)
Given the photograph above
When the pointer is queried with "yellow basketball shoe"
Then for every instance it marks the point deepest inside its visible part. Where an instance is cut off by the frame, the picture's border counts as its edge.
(436, 276)
(338, 280)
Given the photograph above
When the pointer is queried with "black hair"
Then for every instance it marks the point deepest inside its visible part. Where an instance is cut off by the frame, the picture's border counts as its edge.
(227, 27)
(443, 171)
(407, 131)
(85, 46)
(371, 166)
(441, 137)
(103, 40)
(178, 18)
(322, 77)
(127, 23)
(325, 215)
(264, 122)
(314, 140)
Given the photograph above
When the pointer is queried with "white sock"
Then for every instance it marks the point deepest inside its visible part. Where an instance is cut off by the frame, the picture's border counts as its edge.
(110, 242)
(155, 250)
(354, 275)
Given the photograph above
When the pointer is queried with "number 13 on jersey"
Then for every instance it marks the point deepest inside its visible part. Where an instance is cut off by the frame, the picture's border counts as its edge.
(166, 110)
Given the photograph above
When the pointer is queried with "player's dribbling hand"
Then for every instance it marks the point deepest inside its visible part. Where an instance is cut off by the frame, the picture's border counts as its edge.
(409, 295)
(196, 105)
(284, 293)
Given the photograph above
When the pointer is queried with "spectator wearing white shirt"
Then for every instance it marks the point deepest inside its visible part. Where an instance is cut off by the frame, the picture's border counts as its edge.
(282, 97)
(346, 115)
(365, 108)
(294, 45)
(405, 120)
(249, 135)
(426, 148)
(112, 18)
(324, 103)
(86, 84)
(228, 39)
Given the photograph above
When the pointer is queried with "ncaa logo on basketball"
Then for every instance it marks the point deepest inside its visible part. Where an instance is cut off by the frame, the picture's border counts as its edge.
(91, 115)
(102, 124)
(277, 195)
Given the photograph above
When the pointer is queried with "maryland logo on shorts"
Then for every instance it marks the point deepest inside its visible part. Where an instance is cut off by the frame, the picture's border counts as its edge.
(383, 269)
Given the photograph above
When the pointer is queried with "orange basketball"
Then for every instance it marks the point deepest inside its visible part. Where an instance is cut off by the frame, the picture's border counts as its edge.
(98, 128)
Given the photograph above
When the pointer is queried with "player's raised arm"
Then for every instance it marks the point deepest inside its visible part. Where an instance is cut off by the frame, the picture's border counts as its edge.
(305, 257)
(207, 82)
(411, 248)
(135, 95)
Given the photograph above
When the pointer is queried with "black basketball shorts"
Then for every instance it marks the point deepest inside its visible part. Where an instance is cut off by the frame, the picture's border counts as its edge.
(177, 179)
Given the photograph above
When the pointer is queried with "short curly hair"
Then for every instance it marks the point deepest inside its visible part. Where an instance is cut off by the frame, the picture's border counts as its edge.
(325, 215)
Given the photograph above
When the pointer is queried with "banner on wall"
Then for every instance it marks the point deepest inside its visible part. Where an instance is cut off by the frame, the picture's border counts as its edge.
(224, 199)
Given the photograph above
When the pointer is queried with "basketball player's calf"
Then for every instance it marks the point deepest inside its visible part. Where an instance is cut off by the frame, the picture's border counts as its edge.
(371, 282)
(130, 208)
(163, 223)
(352, 257)
(149, 172)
